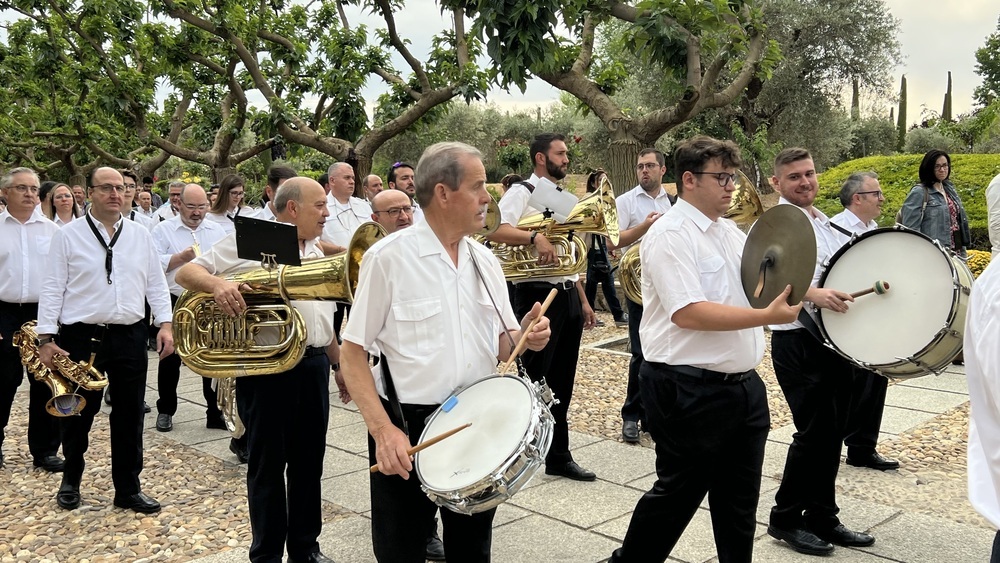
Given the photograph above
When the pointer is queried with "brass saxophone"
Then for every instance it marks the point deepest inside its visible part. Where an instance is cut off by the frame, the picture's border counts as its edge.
(68, 377)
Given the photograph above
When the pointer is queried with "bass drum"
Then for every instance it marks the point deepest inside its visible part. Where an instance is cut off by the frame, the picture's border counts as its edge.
(486, 464)
(914, 328)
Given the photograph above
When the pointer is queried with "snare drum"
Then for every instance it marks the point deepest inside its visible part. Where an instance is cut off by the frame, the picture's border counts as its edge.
(913, 329)
(486, 464)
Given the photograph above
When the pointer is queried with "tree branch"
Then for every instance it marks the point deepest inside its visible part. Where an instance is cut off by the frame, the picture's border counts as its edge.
(390, 25)
(582, 63)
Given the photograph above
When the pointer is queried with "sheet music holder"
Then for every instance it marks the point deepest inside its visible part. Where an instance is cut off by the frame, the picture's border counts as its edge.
(269, 242)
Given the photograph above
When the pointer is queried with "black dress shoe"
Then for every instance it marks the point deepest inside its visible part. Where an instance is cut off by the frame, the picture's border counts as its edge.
(630, 431)
(873, 460)
(68, 496)
(241, 454)
(801, 540)
(311, 558)
(842, 535)
(215, 422)
(435, 547)
(50, 463)
(570, 470)
(138, 502)
(107, 395)
(164, 422)
(145, 407)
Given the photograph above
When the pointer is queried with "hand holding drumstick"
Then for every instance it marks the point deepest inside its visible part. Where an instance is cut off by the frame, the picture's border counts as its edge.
(428, 443)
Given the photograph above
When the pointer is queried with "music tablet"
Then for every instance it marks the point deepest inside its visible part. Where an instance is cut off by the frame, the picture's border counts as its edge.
(257, 239)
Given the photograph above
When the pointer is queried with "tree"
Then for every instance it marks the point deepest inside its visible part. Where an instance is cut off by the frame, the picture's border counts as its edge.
(901, 120)
(946, 109)
(988, 67)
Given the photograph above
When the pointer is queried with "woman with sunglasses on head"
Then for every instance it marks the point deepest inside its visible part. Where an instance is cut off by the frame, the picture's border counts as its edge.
(934, 208)
(228, 203)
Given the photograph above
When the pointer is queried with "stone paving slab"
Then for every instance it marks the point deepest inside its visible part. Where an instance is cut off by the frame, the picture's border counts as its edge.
(896, 420)
(578, 503)
(954, 382)
(918, 538)
(539, 539)
(613, 462)
(338, 462)
(926, 400)
(350, 491)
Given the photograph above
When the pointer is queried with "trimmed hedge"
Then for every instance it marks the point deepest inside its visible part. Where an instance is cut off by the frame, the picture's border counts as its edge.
(971, 173)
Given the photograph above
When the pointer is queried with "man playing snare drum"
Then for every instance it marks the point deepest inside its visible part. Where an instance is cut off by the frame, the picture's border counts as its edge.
(424, 299)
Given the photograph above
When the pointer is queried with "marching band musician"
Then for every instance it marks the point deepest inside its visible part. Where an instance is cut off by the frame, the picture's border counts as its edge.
(178, 241)
(102, 270)
(285, 414)
(861, 196)
(25, 240)
(818, 385)
(420, 301)
(570, 312)
(706, 407)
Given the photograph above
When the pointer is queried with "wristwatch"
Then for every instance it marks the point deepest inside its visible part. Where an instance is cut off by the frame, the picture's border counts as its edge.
(532, 239)
(39, 342)
(335, 367)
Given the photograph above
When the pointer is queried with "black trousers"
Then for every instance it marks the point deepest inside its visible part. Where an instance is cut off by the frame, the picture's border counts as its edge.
(43, 428)
(121, 355)
(168, 375)
(338, 318)
(632, 409)
(995, 555)
(819, 387)
(710, 438)
(286, 416)
(607, 281)
(402, 514)
(867, 420)
(556, 363)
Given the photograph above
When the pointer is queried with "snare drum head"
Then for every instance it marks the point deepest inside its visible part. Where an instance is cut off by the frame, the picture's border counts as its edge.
(499, 409)
(881, 329)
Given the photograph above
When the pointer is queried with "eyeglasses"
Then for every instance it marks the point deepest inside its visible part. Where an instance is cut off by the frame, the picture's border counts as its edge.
(395, 211)
(173, 195)
(63, 196)
(647, 166)
(24, 188)
(942, 166)
(234, 193)
(130, 187)
(201, 207)
(878, 193)
(723, 177)
(108, 188)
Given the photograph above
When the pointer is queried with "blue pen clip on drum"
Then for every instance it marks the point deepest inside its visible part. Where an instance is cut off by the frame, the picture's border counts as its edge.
(449, 404)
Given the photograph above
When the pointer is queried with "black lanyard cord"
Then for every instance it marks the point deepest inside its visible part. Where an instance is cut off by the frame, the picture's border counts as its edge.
(109, 255)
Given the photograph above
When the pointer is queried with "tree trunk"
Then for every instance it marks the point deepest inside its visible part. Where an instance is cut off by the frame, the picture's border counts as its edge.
(221, 171)
(362, 168)
(622, 156)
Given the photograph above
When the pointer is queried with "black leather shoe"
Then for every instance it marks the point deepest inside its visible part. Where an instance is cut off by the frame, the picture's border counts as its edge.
(50, 463)
(164, 422)
(842, 535)
(801, 540)
(215, 422)
(435, 547)
(630, 431)
(107, 395)
(68, 496)
(570, 470)
(145, 407)
(139, 502)
(241, 454)
(311, 558)
(873, 461)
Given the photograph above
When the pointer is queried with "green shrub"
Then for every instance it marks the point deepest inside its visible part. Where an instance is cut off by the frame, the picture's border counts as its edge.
(971, 173)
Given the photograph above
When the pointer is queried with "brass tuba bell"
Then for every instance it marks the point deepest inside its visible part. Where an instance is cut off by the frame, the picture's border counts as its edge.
(270, 336)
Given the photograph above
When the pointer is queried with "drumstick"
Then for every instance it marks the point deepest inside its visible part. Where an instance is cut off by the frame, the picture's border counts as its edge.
(428, 443)
(521, 344)
(879, 288)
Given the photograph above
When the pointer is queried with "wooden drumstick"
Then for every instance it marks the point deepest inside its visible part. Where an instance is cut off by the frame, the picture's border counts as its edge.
(879, 288)
(523, 343)
(428, 443)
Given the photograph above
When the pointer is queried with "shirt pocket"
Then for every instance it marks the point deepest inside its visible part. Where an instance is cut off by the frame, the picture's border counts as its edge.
(42, 244)
(419, 325)
(714, 282)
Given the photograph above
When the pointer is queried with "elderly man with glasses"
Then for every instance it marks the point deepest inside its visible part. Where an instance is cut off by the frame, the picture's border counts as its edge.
(171, 208)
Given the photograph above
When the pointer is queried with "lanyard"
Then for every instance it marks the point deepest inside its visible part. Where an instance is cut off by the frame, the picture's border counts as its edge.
(108, 248)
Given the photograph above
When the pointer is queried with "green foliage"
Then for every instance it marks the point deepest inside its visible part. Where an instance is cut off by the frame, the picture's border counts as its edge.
(946, 109)
(513, 156)
(970, 173)
(922, 139)
(901, 118)
(872, 136)
(988, 67)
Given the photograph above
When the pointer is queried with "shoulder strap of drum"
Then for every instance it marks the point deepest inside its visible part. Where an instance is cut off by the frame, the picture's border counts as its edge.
(531, 188)
(809, 324)
(842, 230)
(510, 339)
(390, 394)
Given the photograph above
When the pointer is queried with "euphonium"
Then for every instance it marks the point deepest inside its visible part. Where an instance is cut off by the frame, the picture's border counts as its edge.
(744, 209)
(226, 401)
(270, 336)
(64, 381)
(594, 213)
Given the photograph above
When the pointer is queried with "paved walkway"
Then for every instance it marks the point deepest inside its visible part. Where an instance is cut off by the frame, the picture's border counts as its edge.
(561, 520)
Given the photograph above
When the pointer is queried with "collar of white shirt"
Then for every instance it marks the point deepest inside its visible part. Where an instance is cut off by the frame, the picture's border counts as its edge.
(691, 212)
(100, 225)
(36, 215)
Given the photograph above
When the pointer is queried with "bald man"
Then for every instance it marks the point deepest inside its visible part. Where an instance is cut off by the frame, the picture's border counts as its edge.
(372, 186)
(392, 210)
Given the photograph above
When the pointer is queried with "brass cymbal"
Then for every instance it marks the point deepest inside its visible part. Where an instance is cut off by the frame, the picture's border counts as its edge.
(782, 246)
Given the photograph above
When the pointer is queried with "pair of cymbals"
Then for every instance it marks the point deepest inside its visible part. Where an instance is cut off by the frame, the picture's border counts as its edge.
(779, 251)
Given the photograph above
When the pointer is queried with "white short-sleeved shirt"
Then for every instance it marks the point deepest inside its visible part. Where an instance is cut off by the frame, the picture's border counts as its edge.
(136, 215)
(514, 207)
(166, 211)
(24, 249)
(635, 205)
(993, 210)
(344, 219)
(317, 315)
(688, 258)
(433, 320)
(173, 236)
(846, 219)
(982, 356)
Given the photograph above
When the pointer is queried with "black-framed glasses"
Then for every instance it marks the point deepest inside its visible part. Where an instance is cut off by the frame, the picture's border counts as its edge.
(647, 166)
(944, 166)
(878, 193)
(108, 188)
(395, 211)
(722, 177)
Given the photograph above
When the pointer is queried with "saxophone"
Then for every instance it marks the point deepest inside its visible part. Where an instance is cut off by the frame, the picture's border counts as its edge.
(68, 377)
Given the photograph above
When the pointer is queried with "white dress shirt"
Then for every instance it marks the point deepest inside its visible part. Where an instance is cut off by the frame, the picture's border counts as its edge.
(151, 213)
(264, 213)
(344, 219)
(514, 207)
(982, 356)
(688, 258)
(635, 205)
(993, 209)
(228, 221)
(59, 222)
(136, 215)
(165, 211)
(434, 321)
(222, 259)
(75, 287)
(173, 236)
(828, 242)
(849, 221)
(24, 251)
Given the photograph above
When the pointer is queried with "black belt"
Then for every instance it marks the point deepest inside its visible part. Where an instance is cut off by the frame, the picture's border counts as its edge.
(565, 285)
(312, 351)
(709, 374)
(16, 306)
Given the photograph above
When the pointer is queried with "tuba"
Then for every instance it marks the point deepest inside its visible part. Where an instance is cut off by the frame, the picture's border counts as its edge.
(594, 213)
(68, 377)
(214, 344)
(744, 209)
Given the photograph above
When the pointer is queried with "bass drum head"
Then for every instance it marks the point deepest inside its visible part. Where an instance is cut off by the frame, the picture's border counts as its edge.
(500, 410)
(882, 329)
